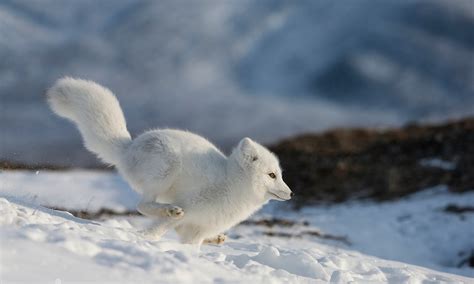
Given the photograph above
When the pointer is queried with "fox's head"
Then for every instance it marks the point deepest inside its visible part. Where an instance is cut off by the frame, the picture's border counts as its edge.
(262, 168)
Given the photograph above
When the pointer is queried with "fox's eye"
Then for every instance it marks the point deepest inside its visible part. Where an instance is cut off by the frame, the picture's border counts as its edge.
(272, 175)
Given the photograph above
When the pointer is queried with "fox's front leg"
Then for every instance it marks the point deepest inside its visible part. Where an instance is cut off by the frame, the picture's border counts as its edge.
(166, 217)
(218, 240)
(154, 209)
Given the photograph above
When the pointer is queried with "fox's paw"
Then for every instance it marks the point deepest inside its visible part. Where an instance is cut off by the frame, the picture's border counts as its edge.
(174, 212)
(218, 240)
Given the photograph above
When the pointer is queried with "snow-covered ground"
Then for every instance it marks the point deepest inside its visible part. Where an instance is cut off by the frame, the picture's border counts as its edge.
(409, 241)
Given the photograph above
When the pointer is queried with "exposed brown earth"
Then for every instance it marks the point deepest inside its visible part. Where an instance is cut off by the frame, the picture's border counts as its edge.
(8, 165)
(361, 163)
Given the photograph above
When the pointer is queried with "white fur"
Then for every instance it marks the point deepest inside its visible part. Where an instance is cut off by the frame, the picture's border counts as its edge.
(97, 114)
(185, 181)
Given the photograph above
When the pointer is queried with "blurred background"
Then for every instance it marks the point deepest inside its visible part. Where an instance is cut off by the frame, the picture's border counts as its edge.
(229, 69)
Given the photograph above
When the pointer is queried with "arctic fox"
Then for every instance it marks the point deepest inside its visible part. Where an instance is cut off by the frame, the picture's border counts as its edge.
(186, 183)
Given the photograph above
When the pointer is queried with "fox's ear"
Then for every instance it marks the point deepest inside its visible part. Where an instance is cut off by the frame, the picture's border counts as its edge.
(247, 150)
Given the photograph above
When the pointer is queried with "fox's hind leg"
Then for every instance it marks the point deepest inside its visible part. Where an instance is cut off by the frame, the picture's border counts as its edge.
(189, 234)
(159, 228)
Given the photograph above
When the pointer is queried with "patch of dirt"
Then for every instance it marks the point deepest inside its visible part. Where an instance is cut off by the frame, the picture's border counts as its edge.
(317, 234)
(271, 222)
(103, 213)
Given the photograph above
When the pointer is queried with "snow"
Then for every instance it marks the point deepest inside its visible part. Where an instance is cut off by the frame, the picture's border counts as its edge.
(409, 241)
(414, 230)
(438, 163)
(79, 189)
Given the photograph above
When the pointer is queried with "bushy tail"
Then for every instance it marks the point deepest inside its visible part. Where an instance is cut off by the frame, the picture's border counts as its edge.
(97, 114)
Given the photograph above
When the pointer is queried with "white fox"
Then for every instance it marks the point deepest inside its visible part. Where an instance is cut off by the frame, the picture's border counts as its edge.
(186, 183)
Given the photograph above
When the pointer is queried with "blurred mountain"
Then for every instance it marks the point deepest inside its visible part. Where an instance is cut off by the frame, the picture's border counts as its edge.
(228, 69)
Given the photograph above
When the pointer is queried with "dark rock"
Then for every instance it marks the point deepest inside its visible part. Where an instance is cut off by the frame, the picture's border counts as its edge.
(469, 260)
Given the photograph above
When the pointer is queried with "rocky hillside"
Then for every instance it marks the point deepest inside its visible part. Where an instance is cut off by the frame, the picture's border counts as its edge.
(361, 163)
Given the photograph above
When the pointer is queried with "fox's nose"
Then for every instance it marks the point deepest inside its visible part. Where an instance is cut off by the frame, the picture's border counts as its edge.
(292, 194)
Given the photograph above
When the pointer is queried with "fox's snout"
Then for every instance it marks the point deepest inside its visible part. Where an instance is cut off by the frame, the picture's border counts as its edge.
(283, 193)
